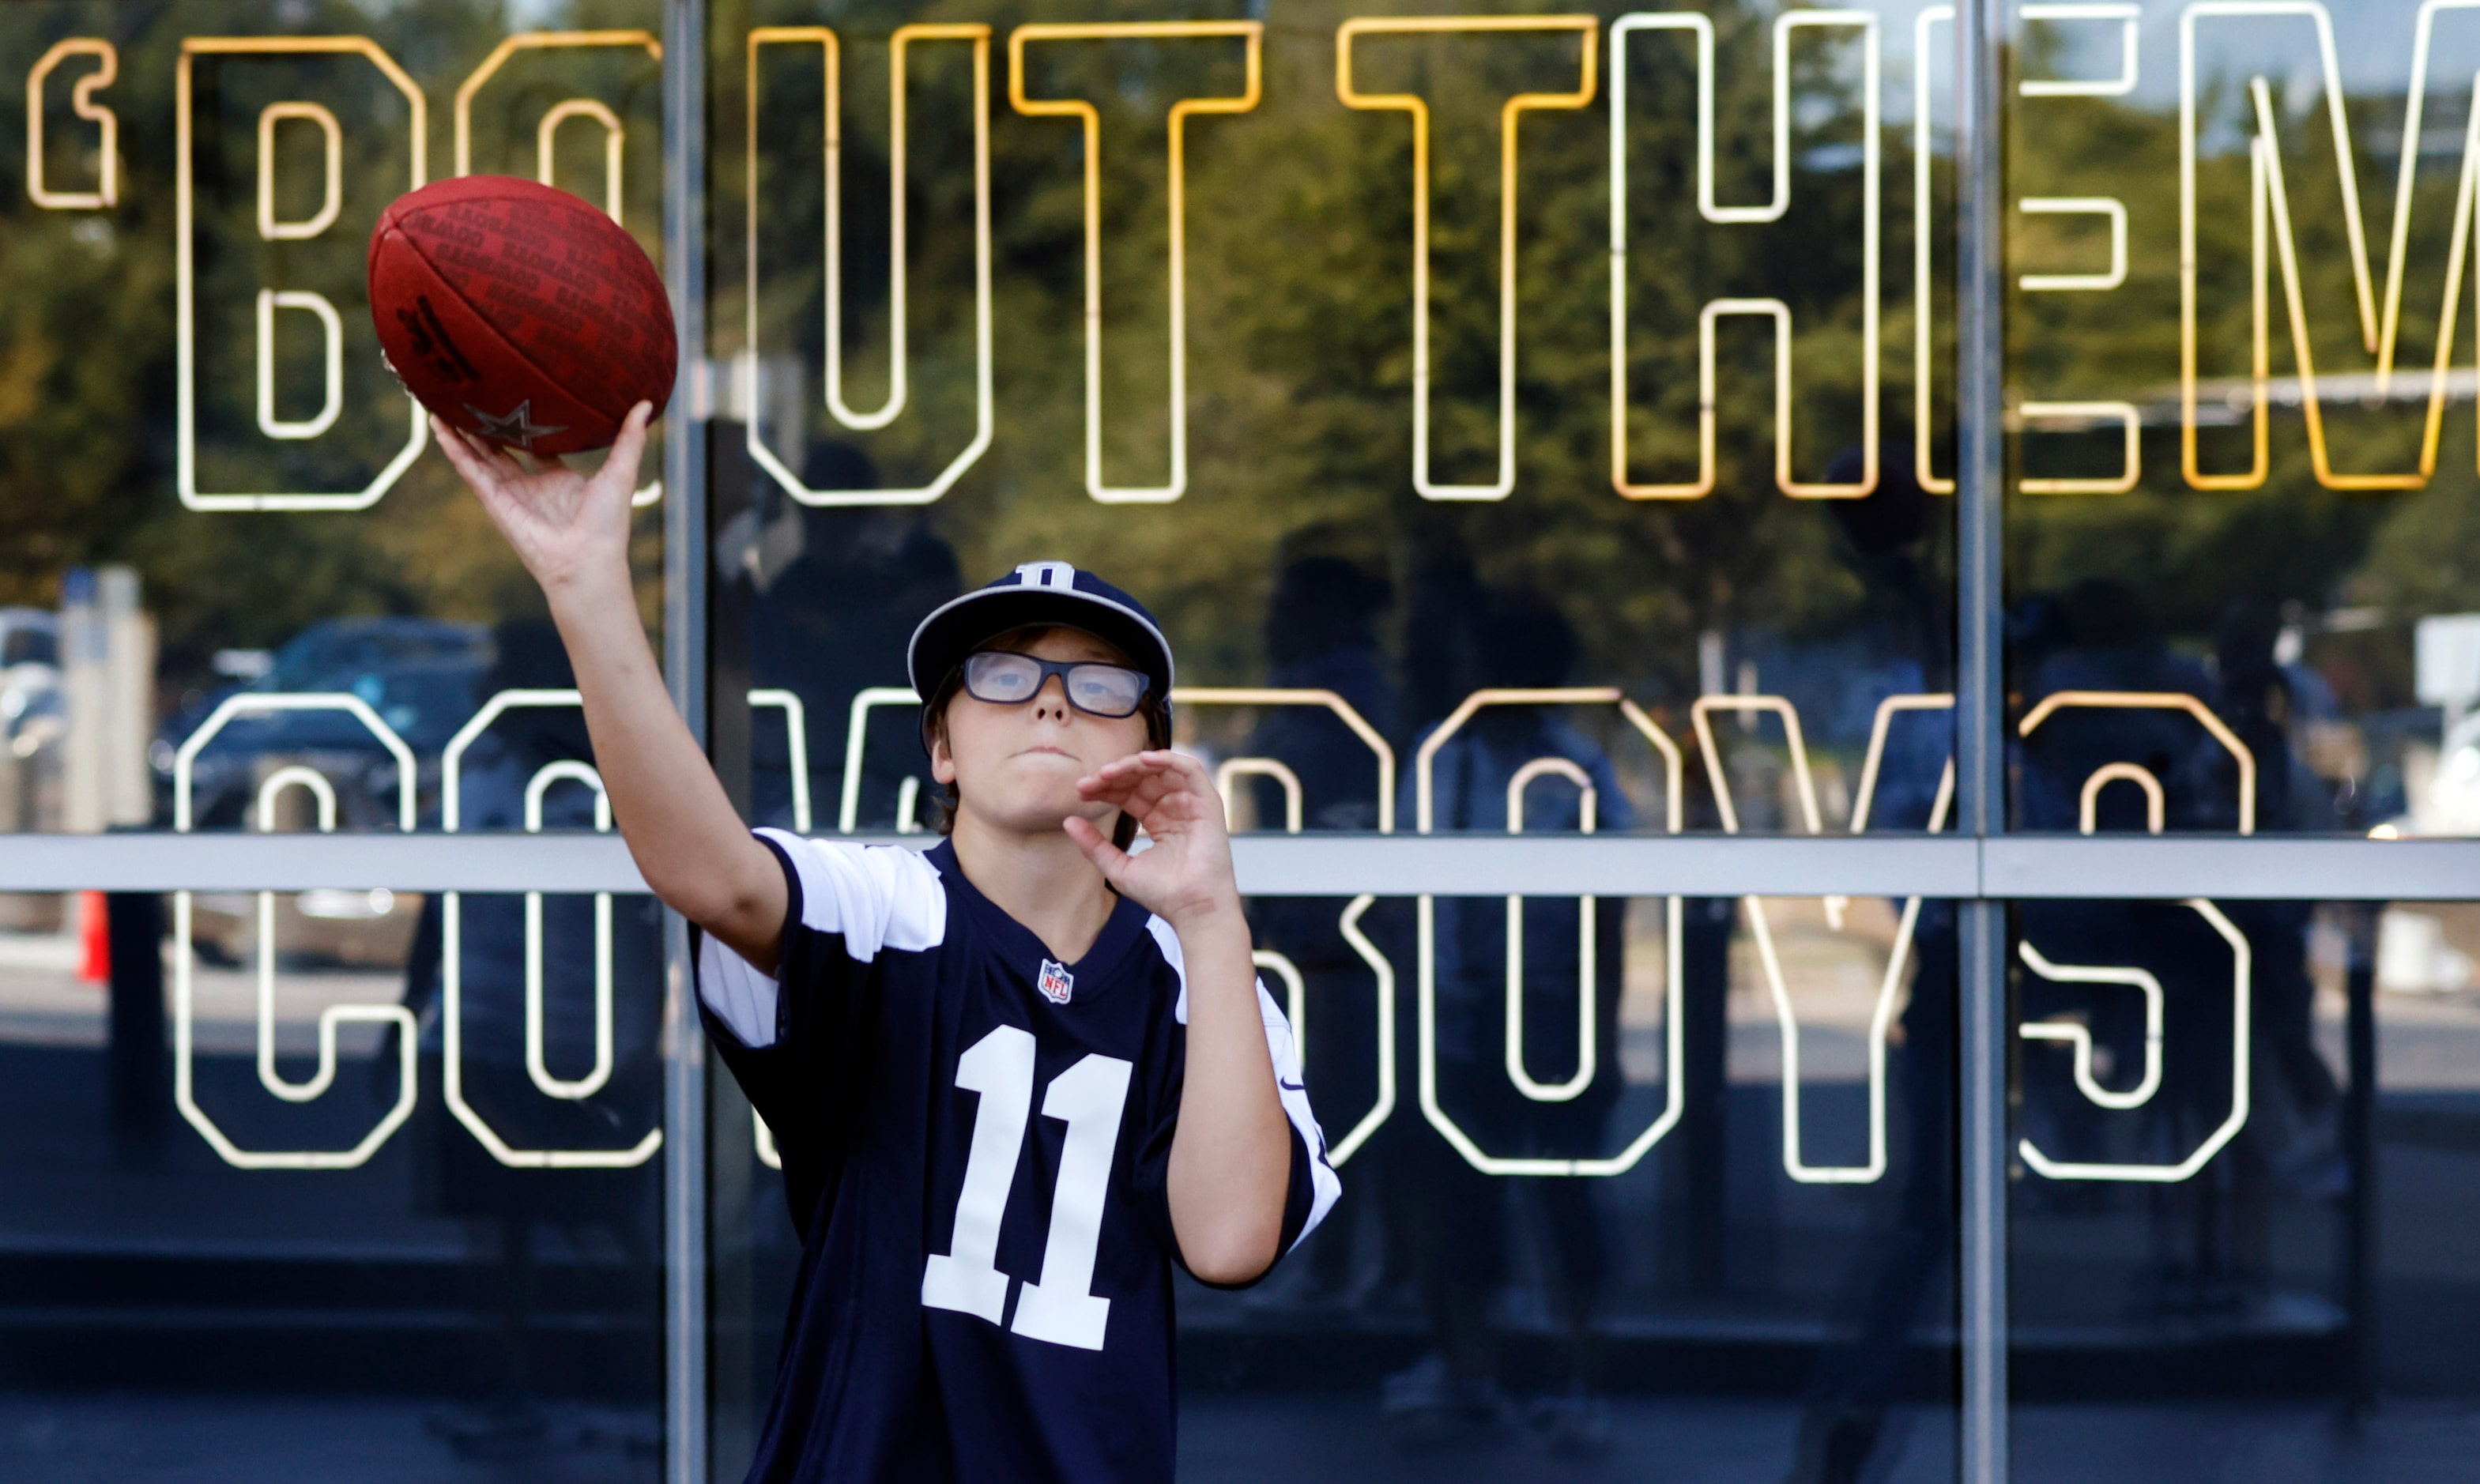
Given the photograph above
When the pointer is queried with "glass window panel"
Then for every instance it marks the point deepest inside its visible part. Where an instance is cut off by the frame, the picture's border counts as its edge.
(239, 593)
(1363, 556)
(2223, 1233)
(246, 1223)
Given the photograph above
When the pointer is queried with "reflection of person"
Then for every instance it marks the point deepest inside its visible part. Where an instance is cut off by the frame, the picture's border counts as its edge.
(1847, 1420)
(2253, 694)
(1320, 635)
(2101, 636)
(459, 1177)
(832, 596)
(2293, 1128)
(2211, 1233)
(2098, 634)
(1458, 1234)
(893, 1015)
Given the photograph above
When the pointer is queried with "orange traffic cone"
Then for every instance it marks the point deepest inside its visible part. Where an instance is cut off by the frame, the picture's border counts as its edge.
(94, 938)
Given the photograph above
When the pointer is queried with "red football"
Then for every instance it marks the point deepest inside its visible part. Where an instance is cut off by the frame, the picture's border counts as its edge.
(519, 313)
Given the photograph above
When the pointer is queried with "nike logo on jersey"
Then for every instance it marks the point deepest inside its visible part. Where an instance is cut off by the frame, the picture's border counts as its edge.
(1055, 983)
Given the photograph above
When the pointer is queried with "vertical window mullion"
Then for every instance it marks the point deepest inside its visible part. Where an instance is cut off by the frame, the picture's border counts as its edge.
(1980, 721)
(685, 666)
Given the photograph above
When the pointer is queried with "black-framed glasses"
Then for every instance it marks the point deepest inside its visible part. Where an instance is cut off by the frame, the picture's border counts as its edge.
(1004, 677)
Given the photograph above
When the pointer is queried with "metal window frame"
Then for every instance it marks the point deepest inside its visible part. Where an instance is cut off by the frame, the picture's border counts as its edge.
(1980, 744)
(686, 1208)
(1997, 868)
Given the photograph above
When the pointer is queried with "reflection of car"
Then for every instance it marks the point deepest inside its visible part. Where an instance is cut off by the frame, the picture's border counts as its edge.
(417, 674)
(30, 678)
(323, 928)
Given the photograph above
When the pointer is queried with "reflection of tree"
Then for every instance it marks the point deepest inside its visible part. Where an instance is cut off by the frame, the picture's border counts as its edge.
(2194, 552)
(1299, 366)
(1300, 312)
(87, 361)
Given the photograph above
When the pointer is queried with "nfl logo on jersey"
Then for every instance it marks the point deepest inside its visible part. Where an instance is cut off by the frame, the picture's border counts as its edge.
(1055, 983)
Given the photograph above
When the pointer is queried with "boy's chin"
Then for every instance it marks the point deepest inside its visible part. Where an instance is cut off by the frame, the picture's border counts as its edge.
(1037, 819)
(1100, 822)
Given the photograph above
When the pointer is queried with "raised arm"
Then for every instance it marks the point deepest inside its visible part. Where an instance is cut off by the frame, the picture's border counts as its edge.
(572, 532)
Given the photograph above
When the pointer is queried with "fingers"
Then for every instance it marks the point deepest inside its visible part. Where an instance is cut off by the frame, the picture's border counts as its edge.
(483, 466)
(627, 450)
(1158, 772)
(1106, 856)
(460, 454)
(1157, 788)
(1167, 761)
(1117, 782)
(1141, 796)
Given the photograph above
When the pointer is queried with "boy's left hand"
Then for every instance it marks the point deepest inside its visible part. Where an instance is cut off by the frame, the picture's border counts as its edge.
(1186, 874)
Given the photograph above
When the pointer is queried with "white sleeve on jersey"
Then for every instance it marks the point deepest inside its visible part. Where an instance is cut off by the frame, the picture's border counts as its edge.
(741, 997)
(871, 897)
(1325, 1185)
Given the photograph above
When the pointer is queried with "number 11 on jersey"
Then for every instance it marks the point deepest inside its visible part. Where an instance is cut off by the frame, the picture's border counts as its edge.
(1089, 1097)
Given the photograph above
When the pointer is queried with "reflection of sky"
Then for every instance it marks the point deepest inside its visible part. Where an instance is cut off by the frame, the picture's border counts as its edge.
(2374, 45)
(1893, 51)
(1895, 18)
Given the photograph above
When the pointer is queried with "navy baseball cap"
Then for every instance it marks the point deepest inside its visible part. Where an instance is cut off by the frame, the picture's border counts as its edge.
(1039, 593)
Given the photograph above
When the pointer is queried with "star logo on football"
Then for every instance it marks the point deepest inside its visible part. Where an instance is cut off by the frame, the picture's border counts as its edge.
(518, 427)
(1055, 983)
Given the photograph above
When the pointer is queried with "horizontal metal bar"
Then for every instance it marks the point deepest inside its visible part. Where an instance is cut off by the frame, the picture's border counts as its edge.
(303, 862)
(1610, 865)
(2291, 867)
(2119, 867)
(1319, 865)
(1268, 865)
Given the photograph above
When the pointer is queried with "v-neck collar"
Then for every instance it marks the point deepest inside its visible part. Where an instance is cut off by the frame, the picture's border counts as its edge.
(1023, 949)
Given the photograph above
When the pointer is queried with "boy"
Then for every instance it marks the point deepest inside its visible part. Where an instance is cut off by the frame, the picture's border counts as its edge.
(985, 1286)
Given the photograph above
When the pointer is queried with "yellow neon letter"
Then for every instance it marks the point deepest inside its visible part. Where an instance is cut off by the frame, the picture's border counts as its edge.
(544, 41)
(1773, 211)
(1253, 34)
(2380, 316)
(899, 358)
(1588, 30)
(107, 191)
(185, 264)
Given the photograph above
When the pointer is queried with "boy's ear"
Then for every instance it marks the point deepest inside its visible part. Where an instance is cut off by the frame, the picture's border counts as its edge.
(943, 763)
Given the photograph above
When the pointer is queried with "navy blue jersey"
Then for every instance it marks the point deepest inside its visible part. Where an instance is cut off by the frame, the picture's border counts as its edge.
(975, 1140)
